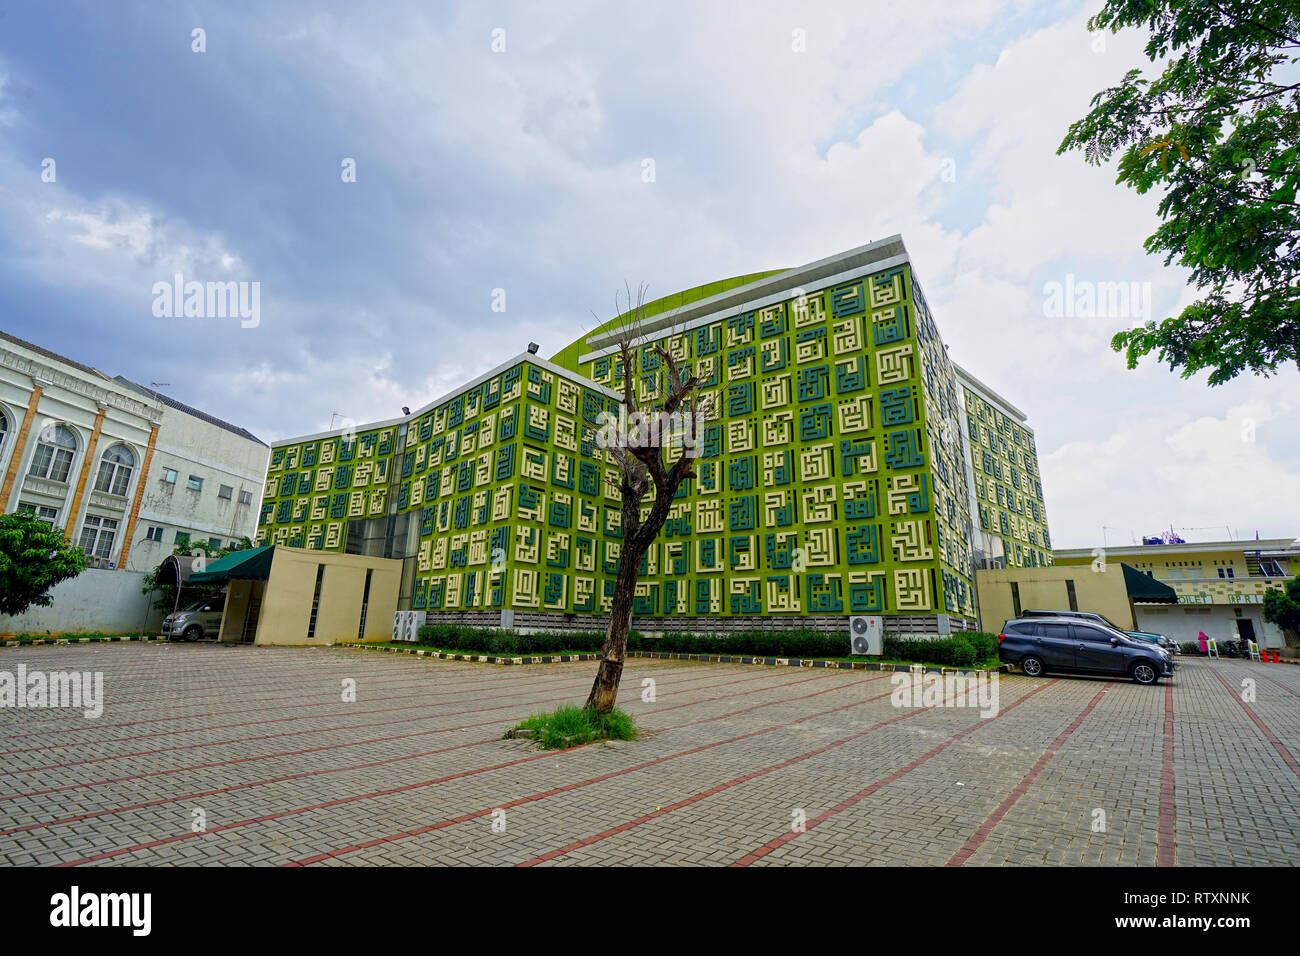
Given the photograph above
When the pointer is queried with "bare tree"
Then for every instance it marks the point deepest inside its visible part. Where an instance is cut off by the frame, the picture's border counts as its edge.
(639, 452)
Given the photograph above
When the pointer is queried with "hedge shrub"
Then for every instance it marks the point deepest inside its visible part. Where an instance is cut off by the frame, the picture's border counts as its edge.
(961, 650)
(483, 640)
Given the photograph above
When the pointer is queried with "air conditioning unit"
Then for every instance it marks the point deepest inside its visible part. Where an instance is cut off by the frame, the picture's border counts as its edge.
(406, 626)
(867, 635)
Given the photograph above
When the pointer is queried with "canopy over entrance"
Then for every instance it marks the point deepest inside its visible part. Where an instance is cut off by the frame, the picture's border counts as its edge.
(1145, 589)
(250, 565)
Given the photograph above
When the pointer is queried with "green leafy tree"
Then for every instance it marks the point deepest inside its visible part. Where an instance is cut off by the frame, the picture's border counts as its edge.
(1217, 131)
(1282, 606)
(34, 556)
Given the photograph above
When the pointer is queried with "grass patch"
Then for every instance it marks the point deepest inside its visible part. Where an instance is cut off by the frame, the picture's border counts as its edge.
(569, 726)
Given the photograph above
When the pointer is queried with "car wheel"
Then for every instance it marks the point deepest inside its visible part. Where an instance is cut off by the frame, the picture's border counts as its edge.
(1145, 672)
(1032, 666)
(193, 633)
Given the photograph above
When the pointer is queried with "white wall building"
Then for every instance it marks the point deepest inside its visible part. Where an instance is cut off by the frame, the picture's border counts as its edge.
(204, 484)
(120, 471)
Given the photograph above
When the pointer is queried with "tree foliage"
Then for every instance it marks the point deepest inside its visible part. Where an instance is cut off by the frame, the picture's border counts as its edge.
(1282, 606)
(165, 595)
(1217, 131)
(34, 556)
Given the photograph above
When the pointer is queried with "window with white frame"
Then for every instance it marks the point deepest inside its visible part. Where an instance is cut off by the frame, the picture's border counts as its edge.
(155, 533)
(4, 430)
(169, 475)
(48, 515)
(245, 497)
(97, 536)
(54, 450)
(115, 469)
(195, 483)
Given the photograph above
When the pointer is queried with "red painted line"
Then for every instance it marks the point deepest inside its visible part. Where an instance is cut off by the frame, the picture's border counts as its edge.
(226, 763)
(1285, 754)
(755, 855)
(696, 798)
(278, 720)
(243, 786)
(442, 824)
(979, 836)
(1272, 680)
(161, 692)
(427, 783)
(86, 726)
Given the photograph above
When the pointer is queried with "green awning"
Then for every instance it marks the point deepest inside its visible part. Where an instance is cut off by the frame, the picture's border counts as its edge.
(1145, 589)
(250, 565)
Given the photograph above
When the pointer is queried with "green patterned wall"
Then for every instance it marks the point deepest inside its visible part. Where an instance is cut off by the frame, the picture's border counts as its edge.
(504, 480)
(833, 482)
(1008, 486)
(833, 478)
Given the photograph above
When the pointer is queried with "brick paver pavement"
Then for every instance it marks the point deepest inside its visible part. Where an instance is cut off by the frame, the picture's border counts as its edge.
(235, 755)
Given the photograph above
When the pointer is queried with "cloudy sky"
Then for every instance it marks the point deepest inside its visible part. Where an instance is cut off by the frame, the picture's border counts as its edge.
(779, 133)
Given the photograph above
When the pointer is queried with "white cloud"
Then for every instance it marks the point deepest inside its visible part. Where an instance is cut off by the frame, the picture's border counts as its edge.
(522, 170)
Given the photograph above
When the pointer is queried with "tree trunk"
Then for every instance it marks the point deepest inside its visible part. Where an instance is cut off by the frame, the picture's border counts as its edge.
(604, 691)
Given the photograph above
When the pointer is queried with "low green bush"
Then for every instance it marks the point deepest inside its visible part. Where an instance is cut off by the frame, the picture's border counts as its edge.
(960, 650)
(965, 649)
(482, 640)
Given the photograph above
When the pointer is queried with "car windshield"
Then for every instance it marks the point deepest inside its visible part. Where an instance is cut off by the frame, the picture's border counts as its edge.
(214, 603)
(1142, 636)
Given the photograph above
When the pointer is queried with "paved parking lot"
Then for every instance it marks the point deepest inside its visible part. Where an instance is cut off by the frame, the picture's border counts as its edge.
(236, 755)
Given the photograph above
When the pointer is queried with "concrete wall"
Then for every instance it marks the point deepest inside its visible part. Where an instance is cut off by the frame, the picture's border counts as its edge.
(95, 600)
(1101, 592)
(286, 606)
(238, 595)
(1183, 623)
(530, 622)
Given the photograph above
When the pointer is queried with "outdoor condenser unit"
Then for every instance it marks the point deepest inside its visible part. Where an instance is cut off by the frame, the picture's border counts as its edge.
(867, 635)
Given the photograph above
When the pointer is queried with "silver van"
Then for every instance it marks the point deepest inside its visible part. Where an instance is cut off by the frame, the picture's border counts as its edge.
(201, 619)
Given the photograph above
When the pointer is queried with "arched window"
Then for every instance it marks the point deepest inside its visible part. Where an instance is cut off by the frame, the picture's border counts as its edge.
(4, 430)
(54, 451)
(115, 469)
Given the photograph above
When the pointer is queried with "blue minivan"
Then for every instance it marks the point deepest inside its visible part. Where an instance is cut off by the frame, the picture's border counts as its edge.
(1038, 645)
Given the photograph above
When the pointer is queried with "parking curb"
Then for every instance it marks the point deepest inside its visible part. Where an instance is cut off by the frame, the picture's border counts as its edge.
(700, 658)
(141, 638)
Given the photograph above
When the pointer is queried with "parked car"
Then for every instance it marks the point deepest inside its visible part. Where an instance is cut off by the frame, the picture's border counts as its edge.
(1086, 615)
(1070, 644)
(201, 619)
(1166, 643)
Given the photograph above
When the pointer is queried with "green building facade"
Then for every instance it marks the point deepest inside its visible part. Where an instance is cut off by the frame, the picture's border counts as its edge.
(843, 472)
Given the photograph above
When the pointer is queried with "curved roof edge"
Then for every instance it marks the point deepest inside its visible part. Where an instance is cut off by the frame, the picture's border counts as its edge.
(709, 298)
(658, 306)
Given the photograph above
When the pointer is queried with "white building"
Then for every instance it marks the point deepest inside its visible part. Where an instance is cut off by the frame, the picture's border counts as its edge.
(204, 483)
(1220, 585)
(126, 474)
